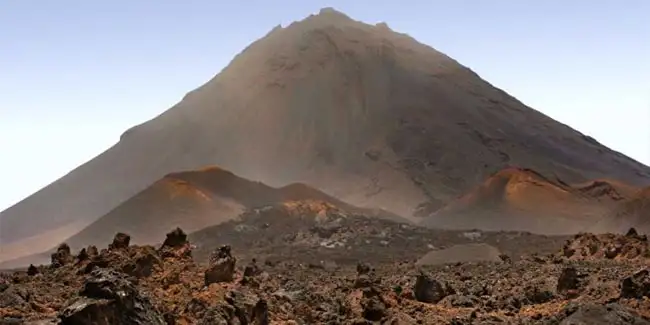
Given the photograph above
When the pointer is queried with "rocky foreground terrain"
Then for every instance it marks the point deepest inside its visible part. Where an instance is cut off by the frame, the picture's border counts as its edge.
(308, 263)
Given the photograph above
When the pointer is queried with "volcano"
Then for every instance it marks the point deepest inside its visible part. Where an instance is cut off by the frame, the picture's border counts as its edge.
(191, 200)
(364, 113)
(194, 200)
(521, 199)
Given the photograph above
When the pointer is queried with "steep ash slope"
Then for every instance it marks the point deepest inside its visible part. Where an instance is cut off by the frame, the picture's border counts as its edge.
(366, 114)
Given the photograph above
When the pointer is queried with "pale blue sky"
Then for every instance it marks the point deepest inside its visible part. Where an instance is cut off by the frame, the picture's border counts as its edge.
(75, 74)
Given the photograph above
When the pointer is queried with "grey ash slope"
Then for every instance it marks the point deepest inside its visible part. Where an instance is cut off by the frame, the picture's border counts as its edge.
(366, 114)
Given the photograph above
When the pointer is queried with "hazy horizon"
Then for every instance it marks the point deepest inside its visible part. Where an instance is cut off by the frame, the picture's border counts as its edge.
(79, 76)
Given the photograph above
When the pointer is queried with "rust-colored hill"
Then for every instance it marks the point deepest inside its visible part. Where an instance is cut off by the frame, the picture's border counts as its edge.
(525, 200)
(191, 200)
(364, 113)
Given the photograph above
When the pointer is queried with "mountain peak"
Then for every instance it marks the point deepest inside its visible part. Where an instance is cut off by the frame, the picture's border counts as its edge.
(364, 114)
(331, 12)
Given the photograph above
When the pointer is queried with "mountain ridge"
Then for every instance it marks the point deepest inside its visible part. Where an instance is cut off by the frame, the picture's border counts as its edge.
(369, 116)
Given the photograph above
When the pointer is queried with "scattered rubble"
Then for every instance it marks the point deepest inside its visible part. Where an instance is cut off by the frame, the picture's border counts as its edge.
(131, 284)
(587, 246)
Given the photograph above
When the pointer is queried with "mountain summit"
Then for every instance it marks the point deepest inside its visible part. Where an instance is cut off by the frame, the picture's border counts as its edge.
(364, 113)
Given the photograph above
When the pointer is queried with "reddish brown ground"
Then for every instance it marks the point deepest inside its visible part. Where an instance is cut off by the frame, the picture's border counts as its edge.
(302, 281)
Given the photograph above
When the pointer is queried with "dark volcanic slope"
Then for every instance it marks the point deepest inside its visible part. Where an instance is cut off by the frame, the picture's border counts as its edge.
(366, 114)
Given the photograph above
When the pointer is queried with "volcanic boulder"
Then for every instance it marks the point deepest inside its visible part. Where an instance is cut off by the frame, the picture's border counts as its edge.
(32, 270)
(109, 298)
(632, 233)
(83, 255)
(365, 276)
(251, 272)
(637, 285)
(62, 256)
(176, 245)
(249, 308)
(373, 305)
(429, 290)
(221, 267)
(570, 281)
(10, 296)
(92, 251)
(176, 239)
(142, 263)
(120, 241)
